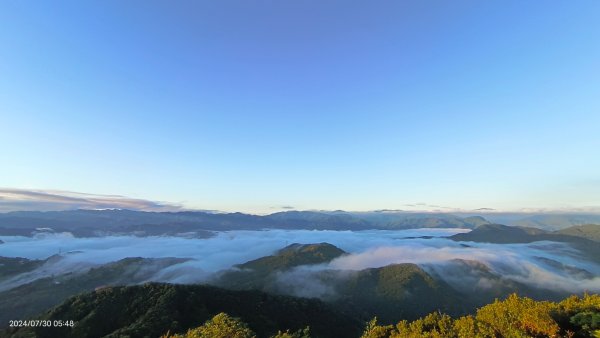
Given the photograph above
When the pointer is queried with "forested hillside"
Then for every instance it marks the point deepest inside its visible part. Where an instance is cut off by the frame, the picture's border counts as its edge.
(151, 310)
(390, 292)
(30, 299)
(512, 317)
(194, 311)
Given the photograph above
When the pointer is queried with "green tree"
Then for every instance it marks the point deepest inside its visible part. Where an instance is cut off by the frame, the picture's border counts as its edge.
(520, 317)
(588, 321)
(469, 327)
(220, 326)
(303, 333)
(376, 331)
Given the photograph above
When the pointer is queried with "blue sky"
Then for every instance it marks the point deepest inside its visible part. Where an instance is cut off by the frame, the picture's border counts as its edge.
(255, 105)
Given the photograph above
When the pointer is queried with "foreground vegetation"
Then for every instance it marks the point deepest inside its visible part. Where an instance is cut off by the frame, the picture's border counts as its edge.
(224, 326)
(513, 317)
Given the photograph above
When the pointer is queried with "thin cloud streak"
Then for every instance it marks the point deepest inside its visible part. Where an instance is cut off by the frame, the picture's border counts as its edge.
(57, 200)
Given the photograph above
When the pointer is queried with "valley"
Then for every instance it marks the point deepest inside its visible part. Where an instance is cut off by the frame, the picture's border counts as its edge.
(356, 275)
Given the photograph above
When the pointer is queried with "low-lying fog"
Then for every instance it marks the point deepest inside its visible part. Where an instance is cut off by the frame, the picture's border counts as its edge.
(524, 263)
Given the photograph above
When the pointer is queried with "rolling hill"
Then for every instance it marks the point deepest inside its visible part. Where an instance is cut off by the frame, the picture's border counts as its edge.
(588, 231)
(504, 234)
(390, 292)
(151, 310)
(12, 266)
(41, 294)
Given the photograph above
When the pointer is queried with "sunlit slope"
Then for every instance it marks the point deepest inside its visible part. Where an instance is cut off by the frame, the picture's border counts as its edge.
(589, 231)
(389, 292)
(503, 234)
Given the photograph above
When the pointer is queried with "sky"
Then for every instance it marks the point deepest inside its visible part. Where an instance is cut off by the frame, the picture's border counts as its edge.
(259, 106)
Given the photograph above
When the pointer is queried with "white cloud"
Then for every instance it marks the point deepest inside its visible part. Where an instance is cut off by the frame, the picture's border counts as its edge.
(374, 248)
(53, 200)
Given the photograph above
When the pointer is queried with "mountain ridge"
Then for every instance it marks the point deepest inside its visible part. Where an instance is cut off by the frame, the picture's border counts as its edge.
(96, 223)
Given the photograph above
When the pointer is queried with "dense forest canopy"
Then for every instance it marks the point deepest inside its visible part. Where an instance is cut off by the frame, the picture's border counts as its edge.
(200, 312)
(513, 317)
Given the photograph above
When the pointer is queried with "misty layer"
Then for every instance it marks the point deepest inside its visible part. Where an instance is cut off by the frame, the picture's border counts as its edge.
(546, 265)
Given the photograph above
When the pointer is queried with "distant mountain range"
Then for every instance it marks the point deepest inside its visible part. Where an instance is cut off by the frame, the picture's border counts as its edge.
(548, 221)
(94, 223)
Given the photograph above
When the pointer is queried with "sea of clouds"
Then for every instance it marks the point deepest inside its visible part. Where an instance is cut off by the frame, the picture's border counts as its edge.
(523, 263)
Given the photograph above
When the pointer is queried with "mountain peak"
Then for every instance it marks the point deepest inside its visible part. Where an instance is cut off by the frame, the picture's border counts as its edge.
(295, 254)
